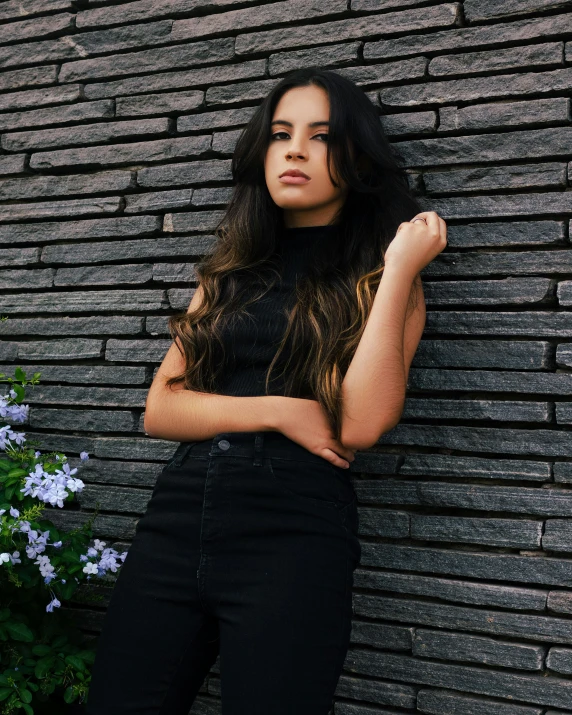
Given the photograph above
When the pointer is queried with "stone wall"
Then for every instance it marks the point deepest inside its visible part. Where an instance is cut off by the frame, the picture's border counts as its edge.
(118, 121)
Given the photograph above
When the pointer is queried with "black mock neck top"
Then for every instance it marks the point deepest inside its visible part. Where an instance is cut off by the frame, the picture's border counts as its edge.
(251, 343)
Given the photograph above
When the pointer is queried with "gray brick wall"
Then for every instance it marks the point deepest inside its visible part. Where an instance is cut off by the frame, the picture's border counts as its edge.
(117, 126)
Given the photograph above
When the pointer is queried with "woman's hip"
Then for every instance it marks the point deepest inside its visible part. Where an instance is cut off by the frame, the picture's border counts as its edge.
(237, 489)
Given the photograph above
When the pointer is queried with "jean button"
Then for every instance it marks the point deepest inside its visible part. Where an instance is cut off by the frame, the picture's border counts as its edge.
(224, 444)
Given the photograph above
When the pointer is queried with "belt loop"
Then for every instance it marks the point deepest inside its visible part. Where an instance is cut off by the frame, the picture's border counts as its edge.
(258, 446)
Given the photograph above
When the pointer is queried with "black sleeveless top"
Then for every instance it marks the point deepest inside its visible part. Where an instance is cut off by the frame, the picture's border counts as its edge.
(251, 343)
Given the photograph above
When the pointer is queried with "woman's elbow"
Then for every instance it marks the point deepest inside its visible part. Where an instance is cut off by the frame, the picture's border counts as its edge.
(148, 423)
(367, 437)
(151, 415)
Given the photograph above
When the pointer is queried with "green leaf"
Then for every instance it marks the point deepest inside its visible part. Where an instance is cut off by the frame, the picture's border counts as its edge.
(4, 680)
(4, 614)
(59, 641)
(19, 374)
(19, 631)
(75, 661)
(28, 710)
(18, 472)
(69, 695)
(41, 649)
(26, 696)
(43, 666)
(66, 590)
(5, 693)
(87, 655)
(71, 556)
(20, 392)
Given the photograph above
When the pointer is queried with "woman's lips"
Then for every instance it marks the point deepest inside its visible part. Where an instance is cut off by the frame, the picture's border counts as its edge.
(293, 179)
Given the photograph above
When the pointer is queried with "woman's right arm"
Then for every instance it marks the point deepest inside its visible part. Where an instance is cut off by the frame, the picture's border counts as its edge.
(186, 416)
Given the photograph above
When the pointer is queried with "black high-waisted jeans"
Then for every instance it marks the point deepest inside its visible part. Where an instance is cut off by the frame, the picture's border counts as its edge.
(247, 548)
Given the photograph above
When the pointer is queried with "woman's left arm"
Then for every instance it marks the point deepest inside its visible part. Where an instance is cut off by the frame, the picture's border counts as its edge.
(374, 386)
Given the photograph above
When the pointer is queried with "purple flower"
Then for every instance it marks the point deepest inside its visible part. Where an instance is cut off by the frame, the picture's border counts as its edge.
(54, 603)
(46, 568)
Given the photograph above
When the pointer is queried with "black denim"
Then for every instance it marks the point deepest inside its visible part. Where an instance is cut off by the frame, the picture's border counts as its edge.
(247, 548)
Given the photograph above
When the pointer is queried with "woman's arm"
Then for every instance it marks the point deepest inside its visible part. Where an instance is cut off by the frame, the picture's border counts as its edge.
(374, 386)
(373, 389)
(185, 415)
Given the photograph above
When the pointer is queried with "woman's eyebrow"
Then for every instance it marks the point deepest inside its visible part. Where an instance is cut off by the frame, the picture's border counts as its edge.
(289, 124)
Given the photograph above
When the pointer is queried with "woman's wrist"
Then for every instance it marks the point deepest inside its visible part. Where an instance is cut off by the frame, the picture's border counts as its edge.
(402, 269)
(273, 412)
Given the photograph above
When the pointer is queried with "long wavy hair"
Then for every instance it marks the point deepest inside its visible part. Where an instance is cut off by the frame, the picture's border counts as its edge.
(334, 299)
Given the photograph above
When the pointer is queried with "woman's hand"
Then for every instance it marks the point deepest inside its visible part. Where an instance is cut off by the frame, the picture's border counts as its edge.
(305, 422)
(417, 242)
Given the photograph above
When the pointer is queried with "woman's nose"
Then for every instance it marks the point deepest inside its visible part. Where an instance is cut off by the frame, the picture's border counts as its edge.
(295, 151)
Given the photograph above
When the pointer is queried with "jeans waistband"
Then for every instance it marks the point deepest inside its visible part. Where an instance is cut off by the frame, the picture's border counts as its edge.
(256, 445)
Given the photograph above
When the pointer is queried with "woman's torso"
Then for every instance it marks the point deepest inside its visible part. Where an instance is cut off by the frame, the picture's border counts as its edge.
(251, 341)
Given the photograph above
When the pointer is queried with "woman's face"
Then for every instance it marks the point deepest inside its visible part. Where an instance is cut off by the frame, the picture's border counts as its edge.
(299, 137)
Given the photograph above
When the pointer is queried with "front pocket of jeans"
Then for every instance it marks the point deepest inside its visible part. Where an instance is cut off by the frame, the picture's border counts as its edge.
(171, 463)
(181, 453)
(312, 481)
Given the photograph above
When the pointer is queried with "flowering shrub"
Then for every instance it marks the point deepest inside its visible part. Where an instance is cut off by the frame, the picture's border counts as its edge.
(42, 653)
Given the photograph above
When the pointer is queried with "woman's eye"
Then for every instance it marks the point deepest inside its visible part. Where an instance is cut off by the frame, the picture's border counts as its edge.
(277, 134)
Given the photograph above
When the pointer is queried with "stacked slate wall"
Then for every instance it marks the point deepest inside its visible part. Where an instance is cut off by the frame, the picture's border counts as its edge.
(118, 122)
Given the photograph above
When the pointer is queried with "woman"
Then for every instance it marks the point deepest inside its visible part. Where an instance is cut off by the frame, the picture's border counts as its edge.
(293, 354)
